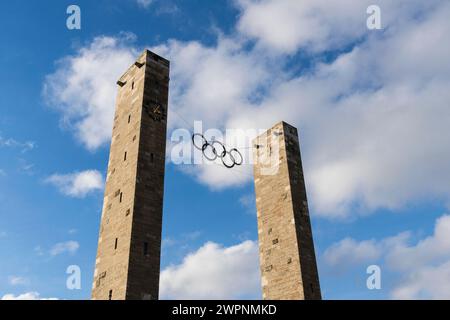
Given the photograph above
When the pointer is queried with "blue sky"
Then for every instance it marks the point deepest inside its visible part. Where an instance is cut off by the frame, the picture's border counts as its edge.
(371, 107)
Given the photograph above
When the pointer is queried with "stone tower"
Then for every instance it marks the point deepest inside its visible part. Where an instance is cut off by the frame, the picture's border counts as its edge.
(287, 258)
(129, 244)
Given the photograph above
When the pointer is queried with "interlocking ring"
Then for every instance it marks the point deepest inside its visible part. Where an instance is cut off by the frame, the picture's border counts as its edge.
(233, 161)
(224, 150)
(236, 151)
(228, 158)
(203, 142)
(205, 149)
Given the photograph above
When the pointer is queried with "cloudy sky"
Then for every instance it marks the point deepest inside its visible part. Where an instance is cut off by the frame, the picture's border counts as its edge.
(372, 108)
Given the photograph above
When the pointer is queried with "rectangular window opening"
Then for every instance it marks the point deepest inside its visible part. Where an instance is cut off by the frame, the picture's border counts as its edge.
(125, 156)
(110, 295)
(115, 244)
(120, 197)
(145, 248)
(129, 118)
(132, 85)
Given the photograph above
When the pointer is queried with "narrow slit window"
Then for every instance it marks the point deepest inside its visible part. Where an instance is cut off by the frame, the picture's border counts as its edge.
(125, 156)
(120, 197)
(132, 85)
(115, 244)
(110, 295)
(145, 248)
(129, 118)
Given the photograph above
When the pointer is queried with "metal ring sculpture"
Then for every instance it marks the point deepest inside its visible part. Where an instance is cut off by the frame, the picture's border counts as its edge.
(218, 150)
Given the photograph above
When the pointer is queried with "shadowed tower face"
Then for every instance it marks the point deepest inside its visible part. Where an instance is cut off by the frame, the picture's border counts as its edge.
(129, 245)
(287, 257)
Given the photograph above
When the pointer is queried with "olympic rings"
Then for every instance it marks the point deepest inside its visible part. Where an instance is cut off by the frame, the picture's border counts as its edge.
(227, 157)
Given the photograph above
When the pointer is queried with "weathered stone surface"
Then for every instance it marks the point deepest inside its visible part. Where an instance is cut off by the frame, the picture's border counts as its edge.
(128, 256)
(287, 257)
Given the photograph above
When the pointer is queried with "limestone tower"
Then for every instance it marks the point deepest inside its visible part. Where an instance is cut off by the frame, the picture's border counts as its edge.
(287, 258)
(129, 244)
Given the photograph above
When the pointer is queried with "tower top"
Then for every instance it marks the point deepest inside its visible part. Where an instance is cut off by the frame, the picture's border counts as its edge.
(144, 58)
(287, 128)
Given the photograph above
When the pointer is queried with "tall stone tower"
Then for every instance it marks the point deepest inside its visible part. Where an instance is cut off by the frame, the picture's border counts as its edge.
(129, 244)
(287, 258)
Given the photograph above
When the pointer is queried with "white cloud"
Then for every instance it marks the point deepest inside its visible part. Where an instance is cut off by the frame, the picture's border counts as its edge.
(62, 247)
(26, 167)
(77, 184)
(25, 296)
(16, 280)
(83, 88)
(13, 143)
(290, 25)
(426, 265)
(432, 250)
(373, 122)
(144, 3)
(39, 251)
(428, 282)
(212, 83)
(349, 252)
(183, 240)
(248, 202)
(214, 272)
(423, 269)
(168, 242)
(286, 25)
